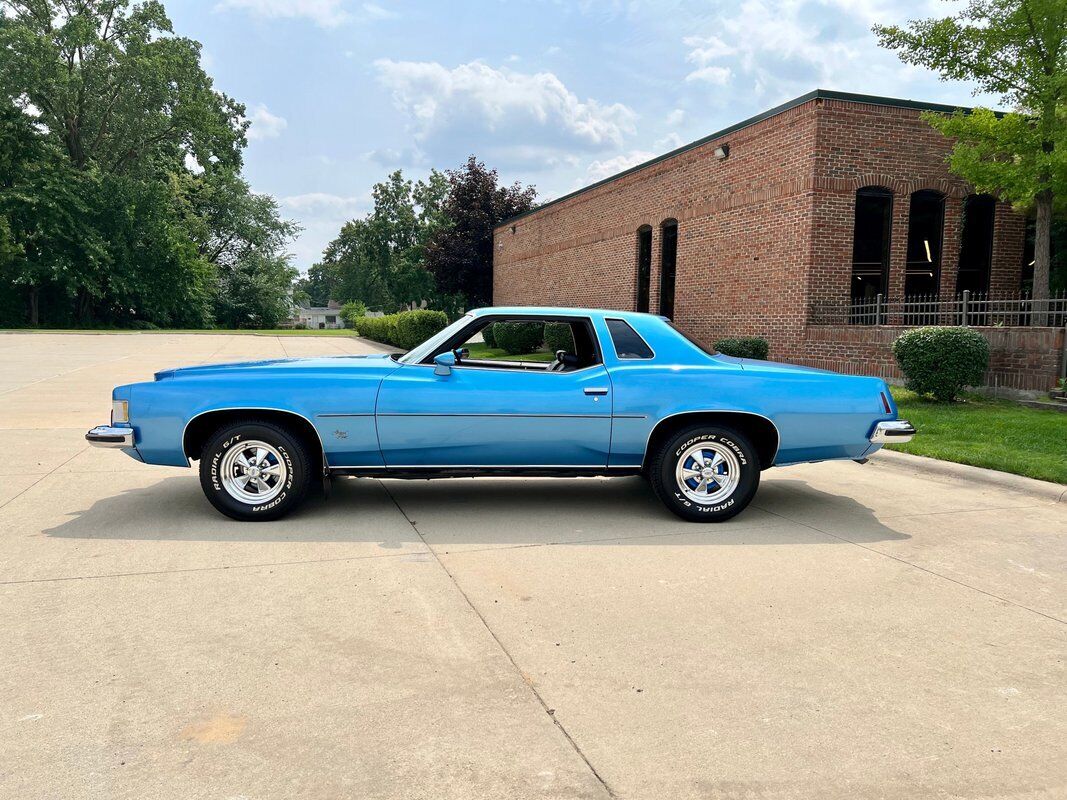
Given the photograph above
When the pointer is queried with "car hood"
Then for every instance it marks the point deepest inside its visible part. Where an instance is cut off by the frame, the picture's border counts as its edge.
(281, 366)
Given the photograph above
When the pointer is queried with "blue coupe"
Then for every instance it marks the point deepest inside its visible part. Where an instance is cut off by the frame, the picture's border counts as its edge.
(592, 393)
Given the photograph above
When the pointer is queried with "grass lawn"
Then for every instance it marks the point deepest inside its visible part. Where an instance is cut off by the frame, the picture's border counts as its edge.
(202, 331)
(484, 352)
(996, 434)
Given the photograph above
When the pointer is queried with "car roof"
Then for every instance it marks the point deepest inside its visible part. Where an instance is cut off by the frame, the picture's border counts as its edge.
(563, 311)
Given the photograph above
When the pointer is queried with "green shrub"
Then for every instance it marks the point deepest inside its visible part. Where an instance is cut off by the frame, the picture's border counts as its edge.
(744, 347)
(558, 336)
(517, 338)
(941, 361)
(378, 329)
(487, 335)
(350, 312)
(404, 330)
(415, 327)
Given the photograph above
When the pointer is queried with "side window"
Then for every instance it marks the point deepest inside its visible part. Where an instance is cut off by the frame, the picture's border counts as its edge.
(529, 343)
(627, 342)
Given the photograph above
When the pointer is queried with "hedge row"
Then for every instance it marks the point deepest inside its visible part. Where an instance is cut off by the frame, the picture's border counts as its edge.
(404, 330)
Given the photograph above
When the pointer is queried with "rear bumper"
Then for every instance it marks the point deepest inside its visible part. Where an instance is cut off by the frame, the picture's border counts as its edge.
(894, 431)
(107, 436)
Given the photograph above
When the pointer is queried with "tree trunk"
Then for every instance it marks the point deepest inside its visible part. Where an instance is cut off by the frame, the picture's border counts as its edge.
(1042, 255)
(34, 318)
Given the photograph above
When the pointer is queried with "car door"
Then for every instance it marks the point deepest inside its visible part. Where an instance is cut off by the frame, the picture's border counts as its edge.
(481, 416)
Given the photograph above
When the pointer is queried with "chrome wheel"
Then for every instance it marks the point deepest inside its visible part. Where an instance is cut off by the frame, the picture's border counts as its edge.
(708, 473)
(253, 472)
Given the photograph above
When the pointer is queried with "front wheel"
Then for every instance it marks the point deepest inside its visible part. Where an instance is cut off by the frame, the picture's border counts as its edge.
(254, 471)
(706, 473)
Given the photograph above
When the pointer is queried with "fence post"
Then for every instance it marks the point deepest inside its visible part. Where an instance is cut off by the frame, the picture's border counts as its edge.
(1063, 355)
(966, 305)
(878, 309)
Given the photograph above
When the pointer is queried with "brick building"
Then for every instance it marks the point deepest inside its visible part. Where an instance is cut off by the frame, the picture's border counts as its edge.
(808, 224)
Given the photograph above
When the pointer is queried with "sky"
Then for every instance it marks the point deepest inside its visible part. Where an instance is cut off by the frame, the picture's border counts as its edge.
(552, 93)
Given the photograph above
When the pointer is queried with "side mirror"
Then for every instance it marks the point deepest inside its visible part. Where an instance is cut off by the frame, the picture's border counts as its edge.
(443, 363)
(461, 353)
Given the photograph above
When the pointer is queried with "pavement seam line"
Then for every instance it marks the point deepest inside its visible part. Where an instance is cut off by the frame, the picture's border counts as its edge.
(921, 568)
(503, 649)
(62, 374)
(182, 570)
(43, 476)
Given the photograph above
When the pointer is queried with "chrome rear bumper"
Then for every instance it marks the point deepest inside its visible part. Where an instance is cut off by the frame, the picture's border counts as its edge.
(892, 432)
(107, 436)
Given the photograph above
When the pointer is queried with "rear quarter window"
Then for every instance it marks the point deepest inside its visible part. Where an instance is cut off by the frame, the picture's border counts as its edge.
(626, 341)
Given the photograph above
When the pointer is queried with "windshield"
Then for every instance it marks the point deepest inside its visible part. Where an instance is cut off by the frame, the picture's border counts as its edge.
(420, 352)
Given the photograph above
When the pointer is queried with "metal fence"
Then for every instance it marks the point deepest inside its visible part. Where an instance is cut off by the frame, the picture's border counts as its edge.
(967, 308)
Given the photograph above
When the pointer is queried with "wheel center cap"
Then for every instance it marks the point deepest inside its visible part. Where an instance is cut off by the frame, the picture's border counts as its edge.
(707, 472)
(254, 472)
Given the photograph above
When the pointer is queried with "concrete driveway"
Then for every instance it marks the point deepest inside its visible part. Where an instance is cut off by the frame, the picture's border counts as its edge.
(861, 632)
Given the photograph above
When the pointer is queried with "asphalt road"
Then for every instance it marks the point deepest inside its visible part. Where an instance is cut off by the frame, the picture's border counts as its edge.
(860, 632)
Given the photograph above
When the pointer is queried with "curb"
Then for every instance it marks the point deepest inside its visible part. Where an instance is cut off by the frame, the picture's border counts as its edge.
(1055, 492)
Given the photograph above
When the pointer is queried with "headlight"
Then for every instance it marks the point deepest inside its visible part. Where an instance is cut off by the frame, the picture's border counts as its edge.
(120, 411)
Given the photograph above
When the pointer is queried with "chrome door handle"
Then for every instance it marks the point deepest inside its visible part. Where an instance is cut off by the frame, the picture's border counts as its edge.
(596, 391)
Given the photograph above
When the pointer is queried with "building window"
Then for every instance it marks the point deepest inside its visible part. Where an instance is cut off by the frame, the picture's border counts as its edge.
(926, 222)
(1026, 275)
(870, 242)
(668, 267)
(976, 243)
(644, 266)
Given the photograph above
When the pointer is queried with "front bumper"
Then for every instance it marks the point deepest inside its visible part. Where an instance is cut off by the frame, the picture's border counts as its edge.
(107, 436)
(896, 431)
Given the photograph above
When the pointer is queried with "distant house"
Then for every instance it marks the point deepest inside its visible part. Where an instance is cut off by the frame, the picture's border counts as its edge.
(320, 317)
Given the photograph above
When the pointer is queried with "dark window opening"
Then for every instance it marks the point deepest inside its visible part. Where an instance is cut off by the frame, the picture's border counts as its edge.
(668, 268)
(976, 243)
(626, 341)
(870, 242)
(644, 267)
(926, 222)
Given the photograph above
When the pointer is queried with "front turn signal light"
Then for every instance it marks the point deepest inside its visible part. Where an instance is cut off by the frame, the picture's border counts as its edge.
(120, 411)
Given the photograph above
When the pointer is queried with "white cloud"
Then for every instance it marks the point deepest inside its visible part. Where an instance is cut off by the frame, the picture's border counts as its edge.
(327, 13)
(676, 117)
(474, 107)
(375, 11)
(321, 216)
(264, 124)
(605, 168)
(719, 76)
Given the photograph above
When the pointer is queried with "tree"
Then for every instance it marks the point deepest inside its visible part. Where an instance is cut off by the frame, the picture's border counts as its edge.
(460, 253)
(378, 260)
(1016, 49)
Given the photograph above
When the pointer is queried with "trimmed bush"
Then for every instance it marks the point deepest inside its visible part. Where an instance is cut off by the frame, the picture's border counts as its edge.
(744, 347)
(941, 361)
(415, 327)
(404, 330)
(487, 335)
(378, 329)
(352, 311)
(558, 336)
(517, 338)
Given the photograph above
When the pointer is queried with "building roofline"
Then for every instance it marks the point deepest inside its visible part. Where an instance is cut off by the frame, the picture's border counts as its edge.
(815, 94)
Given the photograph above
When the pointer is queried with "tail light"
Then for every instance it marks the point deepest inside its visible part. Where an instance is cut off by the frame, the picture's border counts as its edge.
(885, 403)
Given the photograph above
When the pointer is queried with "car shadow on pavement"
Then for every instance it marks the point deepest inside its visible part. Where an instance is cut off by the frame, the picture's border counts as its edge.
(484, 511)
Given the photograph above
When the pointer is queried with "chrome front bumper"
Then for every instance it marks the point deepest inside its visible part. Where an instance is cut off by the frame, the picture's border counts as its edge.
(894, 431)
(107, 436)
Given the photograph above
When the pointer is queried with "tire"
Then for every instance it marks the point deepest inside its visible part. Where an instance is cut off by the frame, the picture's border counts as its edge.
(277, 483)
(727, 452)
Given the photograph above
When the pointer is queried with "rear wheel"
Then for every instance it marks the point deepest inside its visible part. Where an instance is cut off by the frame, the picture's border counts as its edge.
(706, 473)
(254, 470)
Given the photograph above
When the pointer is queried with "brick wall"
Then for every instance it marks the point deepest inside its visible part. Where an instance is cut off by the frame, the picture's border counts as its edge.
(763, 234)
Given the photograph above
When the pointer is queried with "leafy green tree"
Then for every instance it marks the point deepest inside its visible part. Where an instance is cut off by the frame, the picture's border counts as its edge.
(378, 260)
(460, 253)
(318, 286)
(1016, 49)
